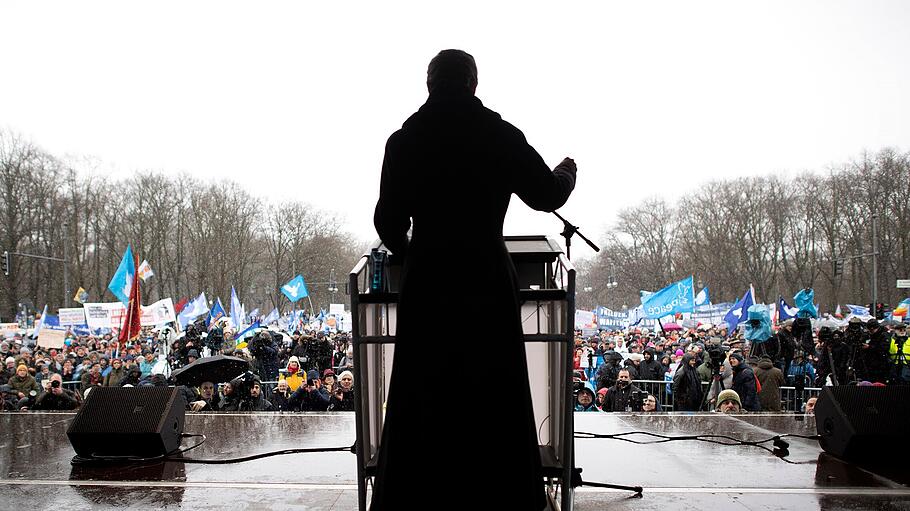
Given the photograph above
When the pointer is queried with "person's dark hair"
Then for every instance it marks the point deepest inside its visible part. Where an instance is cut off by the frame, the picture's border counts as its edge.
(452, 72)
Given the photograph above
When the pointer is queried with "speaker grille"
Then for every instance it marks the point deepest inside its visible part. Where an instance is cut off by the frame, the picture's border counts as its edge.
(125, 410)
(874, 410)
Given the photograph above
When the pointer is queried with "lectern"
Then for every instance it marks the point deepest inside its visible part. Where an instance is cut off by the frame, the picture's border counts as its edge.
(547, 293)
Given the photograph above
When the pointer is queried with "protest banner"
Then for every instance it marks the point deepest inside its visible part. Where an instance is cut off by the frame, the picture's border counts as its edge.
(71, 317)
(51, 338)
(110, 315)
(9, 329)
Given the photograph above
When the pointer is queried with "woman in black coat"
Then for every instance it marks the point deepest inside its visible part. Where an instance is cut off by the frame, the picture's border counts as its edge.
(475, 162)
(687, 391)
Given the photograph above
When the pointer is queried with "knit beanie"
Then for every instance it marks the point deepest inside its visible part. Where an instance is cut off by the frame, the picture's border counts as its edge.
(728, 394)
(21, 367)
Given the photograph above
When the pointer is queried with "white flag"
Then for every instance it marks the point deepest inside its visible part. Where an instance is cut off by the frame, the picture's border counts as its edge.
(145, 270)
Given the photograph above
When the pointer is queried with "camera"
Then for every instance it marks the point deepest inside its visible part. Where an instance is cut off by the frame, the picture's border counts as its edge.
(718, 353)
(55, 384)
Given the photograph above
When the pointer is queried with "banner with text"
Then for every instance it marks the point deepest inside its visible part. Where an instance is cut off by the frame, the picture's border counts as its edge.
(71, 317)
(110, 315)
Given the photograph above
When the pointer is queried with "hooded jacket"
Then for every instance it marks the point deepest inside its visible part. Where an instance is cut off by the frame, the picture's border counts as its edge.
(771, 380)
(650, 368)
(687, 391)
(592, 406)
(744, 385)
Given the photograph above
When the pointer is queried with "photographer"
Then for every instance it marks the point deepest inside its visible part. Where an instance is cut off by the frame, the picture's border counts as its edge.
(607, 373)
(56, 397)
(623, 396)
(899, 352)
(343, 394)
(833, 357)
(312, 397)
(265, 355)
(875, 353)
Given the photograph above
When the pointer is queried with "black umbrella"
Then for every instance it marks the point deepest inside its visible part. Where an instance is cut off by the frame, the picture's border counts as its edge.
(216, 369)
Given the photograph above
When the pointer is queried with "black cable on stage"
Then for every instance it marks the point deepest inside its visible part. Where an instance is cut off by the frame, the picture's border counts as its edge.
(780, 446)
(171, 456)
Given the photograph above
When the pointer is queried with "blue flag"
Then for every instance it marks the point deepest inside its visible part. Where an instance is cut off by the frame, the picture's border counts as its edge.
(239, 340)
(216, 313)
(677, 297)
(40, 324)
(295, 289)
(804, 302)
(254, 314)
(122, 281)
(702, 297)
(740, 310)
(784, 311)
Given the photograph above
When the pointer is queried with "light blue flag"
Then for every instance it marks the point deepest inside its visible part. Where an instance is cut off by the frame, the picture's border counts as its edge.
(40, 323)
(677, 297)
(273, 317)
(858, 310)
(295, 289)
(122, 281)
(702, 297)
(740, 310)
(804, 301)
(237, 314)
(193, 310)
(784, 311)
(254, 314)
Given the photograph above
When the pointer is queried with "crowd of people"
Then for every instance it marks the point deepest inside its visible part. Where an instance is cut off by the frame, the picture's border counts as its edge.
(702, 368)
(298, 371)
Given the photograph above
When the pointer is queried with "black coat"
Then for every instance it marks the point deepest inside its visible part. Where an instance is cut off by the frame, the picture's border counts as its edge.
(618, 399)
(687, 389)
(452, 170)
(744, 385)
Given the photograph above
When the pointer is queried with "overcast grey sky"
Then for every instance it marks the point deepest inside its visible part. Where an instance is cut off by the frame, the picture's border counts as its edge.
(297, 99)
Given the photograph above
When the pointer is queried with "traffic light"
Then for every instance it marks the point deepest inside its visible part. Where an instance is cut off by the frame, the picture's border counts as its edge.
(4, 263)
(880, 309)
(838, 267)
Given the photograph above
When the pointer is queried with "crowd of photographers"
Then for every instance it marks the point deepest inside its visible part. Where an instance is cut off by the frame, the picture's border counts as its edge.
(289, 372)
(705, 369)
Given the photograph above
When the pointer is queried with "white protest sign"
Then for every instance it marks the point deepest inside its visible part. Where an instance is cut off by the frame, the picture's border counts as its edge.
(74, 316)
(110, 315)
(50, 338)
(9, 329)
(336, 308)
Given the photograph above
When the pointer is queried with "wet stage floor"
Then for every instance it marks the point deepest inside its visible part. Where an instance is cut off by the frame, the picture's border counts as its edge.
(35, 469)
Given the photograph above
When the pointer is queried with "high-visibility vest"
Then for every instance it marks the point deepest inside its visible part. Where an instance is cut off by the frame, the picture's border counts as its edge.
(900, 358)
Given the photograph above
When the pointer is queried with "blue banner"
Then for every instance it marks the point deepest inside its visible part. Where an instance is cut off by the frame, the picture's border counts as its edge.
(677, 297)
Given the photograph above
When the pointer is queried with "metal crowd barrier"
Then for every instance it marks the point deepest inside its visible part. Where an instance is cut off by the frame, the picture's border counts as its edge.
(662, 390)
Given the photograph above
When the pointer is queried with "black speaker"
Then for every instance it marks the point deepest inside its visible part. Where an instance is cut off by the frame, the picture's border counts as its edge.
(862, 423)
(141, 422)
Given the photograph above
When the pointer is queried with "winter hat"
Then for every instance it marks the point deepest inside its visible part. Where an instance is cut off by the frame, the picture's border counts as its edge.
(738, 356)
(10, 359)
(346, 373)
(328, 372)
(21, 367)
(728, 394)
(312, 374)
(193, 353)
(602, 392)
(636, 357)
(679, 353)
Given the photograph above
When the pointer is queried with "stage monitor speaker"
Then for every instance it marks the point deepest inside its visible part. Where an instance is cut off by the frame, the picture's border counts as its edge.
(862, 423)
(139, 422)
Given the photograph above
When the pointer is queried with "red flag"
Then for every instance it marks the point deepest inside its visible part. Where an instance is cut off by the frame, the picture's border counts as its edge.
(132, 324)
(178, 307)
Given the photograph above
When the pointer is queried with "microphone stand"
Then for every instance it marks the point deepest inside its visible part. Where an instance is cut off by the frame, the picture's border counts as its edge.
(568, 230)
